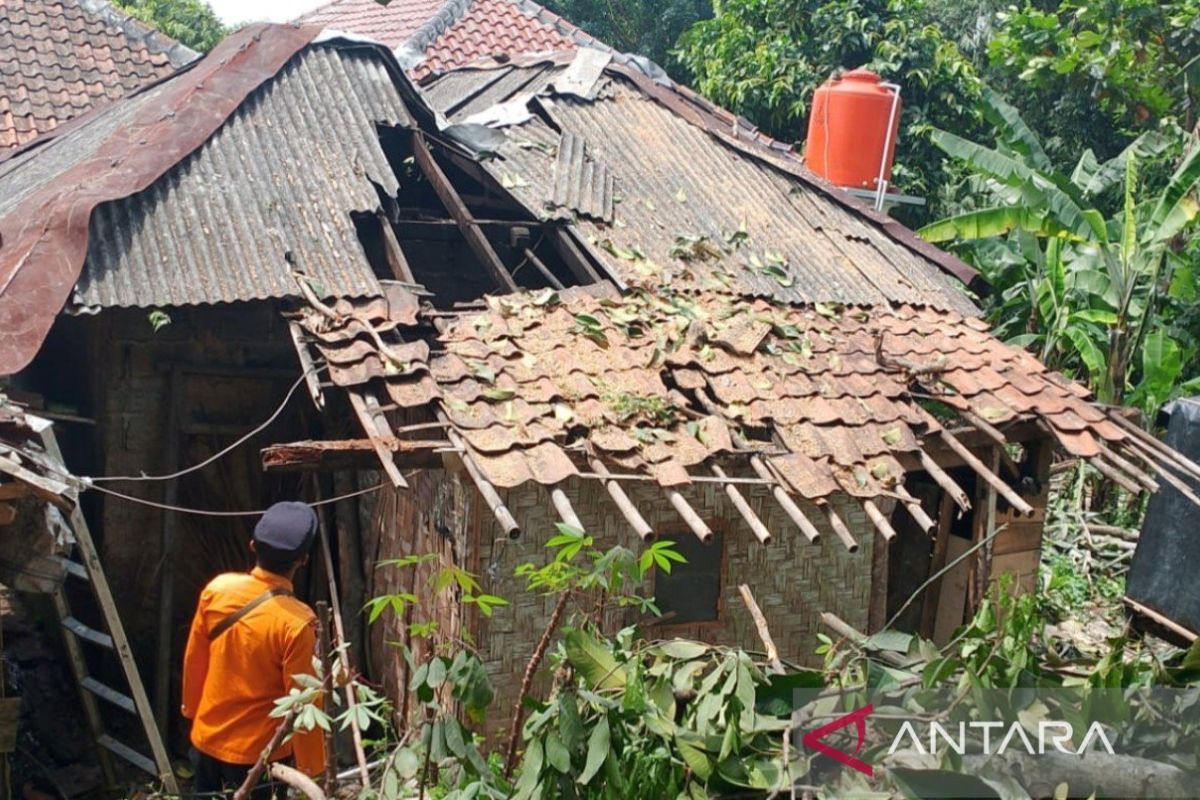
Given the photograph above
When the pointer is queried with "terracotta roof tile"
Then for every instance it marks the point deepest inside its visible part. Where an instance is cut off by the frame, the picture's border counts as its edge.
(58, 58)
(666, 382)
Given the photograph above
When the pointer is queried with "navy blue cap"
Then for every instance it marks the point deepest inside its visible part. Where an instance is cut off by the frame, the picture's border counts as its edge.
(287, 526)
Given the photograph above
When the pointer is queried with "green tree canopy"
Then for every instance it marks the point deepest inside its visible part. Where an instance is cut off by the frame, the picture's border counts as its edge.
(192, 22)
(647, 27)
(764, 59)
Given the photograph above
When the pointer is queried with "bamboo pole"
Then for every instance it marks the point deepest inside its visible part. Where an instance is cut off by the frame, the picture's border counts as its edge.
(991, 478)
(943, 479)
(1152, 443)
(490, 496)
(565, 511)
(1116, 476)
(325, 654)
(756, 525)
(760, 624)
(810, 531)
(623, 503)
(839, 528)
(689, 515)
(1131, 469)
(913, 506)
(1176, 482)
(879, 520)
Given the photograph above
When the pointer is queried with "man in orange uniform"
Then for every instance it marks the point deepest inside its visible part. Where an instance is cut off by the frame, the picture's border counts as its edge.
(249, 637)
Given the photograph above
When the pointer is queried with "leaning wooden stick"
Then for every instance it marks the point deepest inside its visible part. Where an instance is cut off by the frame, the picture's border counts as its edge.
(514, 731)
(298, 781)
(760, 623)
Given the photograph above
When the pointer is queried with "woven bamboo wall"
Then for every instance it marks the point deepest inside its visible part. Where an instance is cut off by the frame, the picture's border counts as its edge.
(793, 580)
(431, 517)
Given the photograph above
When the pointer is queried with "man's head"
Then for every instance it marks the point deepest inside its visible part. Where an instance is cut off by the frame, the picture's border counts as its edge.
(283, 537)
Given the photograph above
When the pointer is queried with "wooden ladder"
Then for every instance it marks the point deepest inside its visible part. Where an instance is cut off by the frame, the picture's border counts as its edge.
(76, 634)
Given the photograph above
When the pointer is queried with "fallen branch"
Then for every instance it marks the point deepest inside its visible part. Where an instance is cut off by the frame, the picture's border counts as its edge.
(760, 623)
(514, 730)
(297, 780)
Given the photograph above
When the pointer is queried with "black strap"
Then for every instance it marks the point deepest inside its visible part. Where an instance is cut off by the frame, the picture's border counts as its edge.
(232, 619)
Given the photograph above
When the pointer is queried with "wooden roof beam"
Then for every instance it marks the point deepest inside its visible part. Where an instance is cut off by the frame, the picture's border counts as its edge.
(991, 478)
(623, 503)
(756, 525)
(453, 202)
(840, 528)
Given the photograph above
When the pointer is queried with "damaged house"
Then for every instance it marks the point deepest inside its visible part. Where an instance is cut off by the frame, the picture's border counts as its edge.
(535, 290)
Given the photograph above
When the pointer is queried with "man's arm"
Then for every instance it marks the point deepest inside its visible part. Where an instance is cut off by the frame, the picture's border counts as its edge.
(308, 747)
(195, 660)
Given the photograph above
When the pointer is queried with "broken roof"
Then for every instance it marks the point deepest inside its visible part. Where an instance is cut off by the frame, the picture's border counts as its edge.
(239, 160)
(59, 58)
(674, 386)
(662, 188)
(25, 462)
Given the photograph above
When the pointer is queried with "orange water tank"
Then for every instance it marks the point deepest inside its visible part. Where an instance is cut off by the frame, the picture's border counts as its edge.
(854, 118)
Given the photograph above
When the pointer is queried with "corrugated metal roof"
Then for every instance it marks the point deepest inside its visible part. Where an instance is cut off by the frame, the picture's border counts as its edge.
(694, 209)
(272, 190)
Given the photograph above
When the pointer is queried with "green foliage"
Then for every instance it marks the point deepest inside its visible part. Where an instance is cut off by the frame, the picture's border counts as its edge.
(1110, 69)
(191, 22)
(764, 58)
(1086, 265)
(646, 27)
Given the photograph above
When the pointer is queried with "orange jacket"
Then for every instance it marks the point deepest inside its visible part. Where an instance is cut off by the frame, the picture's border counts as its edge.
(230, 685)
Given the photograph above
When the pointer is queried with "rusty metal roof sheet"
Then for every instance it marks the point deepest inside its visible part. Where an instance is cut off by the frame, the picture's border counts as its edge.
(212, 186)
(696, 208)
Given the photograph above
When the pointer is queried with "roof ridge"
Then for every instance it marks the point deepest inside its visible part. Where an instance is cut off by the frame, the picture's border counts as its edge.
(139, 32)
(411, 51)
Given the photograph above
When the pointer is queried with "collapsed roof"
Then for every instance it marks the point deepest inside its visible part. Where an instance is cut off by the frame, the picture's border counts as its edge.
(59, 58)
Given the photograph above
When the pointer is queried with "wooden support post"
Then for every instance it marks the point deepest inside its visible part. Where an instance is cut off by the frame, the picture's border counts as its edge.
(574, 258)
(879, 520)
(984, 532)
(689, 515)
(840, 528)
(937, 562)
(624, 504)
(943, 479)
(166, 590)
(565, 511)
(490, 496)
(913, 506)
(992, 479)
(756, 525)
(471, 231)
(541, 267)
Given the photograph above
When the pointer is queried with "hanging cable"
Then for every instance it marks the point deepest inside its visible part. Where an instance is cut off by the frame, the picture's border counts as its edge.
(221, 453)
(207, 513)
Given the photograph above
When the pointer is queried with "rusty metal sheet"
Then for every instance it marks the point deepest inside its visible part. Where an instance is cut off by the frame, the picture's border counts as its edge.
(44, 240)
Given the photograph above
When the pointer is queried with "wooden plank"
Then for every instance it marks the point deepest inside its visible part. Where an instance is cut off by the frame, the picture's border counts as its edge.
(1023, 566)
(952, 598)
(90, 557)
(937, 561)
(450, 198)
(13, 491)
(397, 262)
(352, 454)
(311, 379)
(1019, 536)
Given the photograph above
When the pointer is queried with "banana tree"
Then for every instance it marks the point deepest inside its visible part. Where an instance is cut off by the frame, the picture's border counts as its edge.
(1093, 281)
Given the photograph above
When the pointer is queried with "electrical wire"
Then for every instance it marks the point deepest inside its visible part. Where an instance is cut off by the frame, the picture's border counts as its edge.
(208, 513)
(221, 453)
